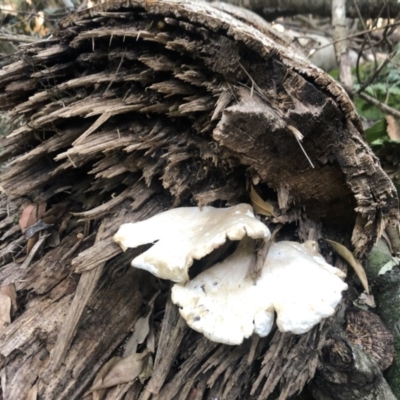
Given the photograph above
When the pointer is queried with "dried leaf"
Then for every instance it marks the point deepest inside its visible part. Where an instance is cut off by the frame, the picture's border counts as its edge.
(28, 217)
(147, 370)
(125, 370)
(260, 206)
(142, 329)
(31, 214)
(389, 265)
(366, 299)
(5, 311)
(31, 242)
(41, 209)
(393, 127)
(98, 380)
(56, 211)
(355, 264)
(36, 227)
(54, 239)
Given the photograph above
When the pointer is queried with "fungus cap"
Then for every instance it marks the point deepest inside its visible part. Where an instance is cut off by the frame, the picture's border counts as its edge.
(227, 305)
(187, 233)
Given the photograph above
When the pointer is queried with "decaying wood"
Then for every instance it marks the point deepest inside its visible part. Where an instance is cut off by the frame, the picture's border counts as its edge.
(351, 368)
(132, 108)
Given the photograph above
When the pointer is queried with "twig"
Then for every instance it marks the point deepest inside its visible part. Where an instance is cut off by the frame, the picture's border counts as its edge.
(55, 17)
(376, 72)
(17, 38)
(367, 38)
(309, 22)
(383, 107)
(358, 34)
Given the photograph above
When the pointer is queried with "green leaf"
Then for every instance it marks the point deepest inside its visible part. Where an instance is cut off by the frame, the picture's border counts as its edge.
(379, 88)
(395, 90)
(334, 73)
(377, 132)
(367, 110)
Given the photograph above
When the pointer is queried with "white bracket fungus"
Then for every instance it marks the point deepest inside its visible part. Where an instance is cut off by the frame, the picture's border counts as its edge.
(227, 305)
(187, 233)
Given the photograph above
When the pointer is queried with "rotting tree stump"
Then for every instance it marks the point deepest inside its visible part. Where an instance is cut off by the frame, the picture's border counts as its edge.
(135, 107)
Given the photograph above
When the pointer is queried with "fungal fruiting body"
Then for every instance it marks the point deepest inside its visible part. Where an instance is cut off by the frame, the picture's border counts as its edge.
(186, 234)
(225, 302)
(227, 305)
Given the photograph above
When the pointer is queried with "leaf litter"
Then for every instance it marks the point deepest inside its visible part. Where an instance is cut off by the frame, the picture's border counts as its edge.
(347, 255)
(132, 365)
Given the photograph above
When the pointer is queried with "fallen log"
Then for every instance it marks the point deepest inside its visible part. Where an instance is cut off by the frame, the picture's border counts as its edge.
(273, 9)
(135, 107)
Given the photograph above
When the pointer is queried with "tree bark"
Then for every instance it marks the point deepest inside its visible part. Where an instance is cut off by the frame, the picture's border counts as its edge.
(352, 369)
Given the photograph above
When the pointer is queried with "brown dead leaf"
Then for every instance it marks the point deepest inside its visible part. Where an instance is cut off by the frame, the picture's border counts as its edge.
(366, 299)
(125, 370)
(28, 217)
(260, 206)
(104, 370)
(147, 370)
(393, 127)
(54, 239)
(31, 243)
(41, 209)
(56, 212)
(31, 214)
(142, 329)
(347, 255)
(64, 224)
